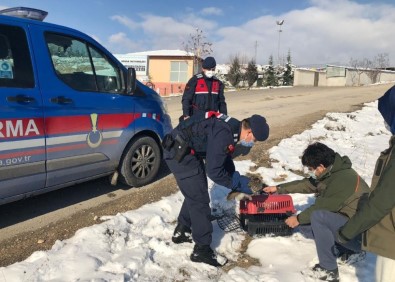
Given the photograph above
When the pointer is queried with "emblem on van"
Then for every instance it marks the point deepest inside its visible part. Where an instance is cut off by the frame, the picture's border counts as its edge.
(94, 137)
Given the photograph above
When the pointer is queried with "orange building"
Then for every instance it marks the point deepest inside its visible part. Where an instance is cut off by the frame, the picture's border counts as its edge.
(166, 71)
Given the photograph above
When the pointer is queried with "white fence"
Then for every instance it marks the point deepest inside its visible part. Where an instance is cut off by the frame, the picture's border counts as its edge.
(340, 76)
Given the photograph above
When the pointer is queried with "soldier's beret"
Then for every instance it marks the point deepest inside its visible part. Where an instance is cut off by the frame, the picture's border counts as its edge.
(209, 63)
(259, 127)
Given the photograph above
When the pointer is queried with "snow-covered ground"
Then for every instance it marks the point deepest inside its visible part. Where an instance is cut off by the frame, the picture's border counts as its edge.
(136, 245)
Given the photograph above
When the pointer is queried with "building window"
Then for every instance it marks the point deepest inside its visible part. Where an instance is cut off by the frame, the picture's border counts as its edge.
(179, 72)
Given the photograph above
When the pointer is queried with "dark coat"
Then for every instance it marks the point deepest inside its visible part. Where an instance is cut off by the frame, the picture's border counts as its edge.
(213, 137)
(338, 189)
(204, 101)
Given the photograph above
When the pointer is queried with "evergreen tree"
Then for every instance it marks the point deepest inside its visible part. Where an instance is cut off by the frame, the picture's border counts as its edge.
(271, 79)
(288, 77)
(251, 74)
(234, 74)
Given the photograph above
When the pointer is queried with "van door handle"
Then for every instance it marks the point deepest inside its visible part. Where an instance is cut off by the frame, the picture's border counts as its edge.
(20, 99)
(61, 100)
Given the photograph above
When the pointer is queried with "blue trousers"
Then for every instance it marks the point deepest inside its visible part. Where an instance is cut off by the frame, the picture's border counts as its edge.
(324, 227)
(195, 210)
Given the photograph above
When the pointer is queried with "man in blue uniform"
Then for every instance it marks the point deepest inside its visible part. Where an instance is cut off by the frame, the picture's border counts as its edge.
(204, 92)
(212, 138)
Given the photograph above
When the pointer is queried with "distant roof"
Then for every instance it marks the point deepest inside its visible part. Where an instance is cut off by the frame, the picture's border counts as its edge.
(164, 53)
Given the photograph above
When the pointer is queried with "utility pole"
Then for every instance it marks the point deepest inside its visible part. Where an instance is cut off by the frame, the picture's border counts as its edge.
(279, 23)
(256, 46)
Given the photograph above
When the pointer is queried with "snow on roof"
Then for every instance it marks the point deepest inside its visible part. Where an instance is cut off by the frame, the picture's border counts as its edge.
(222, 68)
(164, 53)
(312, 69)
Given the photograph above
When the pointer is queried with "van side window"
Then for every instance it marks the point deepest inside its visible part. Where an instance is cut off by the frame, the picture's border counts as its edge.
(15, 63)
(108, 76)
(81, 66)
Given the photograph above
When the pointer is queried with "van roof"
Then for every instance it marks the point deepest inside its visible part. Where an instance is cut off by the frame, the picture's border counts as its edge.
(25, 20)
(25, 12)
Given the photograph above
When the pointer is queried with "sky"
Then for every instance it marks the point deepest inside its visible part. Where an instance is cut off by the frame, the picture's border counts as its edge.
(315, 32)
(136, 245)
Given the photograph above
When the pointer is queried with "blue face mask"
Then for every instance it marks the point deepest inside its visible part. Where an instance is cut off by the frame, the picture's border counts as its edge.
(248, 144)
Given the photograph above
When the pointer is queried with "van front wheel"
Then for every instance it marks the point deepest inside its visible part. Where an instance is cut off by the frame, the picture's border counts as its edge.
(141, 162)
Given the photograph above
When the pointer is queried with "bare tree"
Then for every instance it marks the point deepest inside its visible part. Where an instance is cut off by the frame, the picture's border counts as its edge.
(371, 71)
(353, 74)
(360, 66)
(197, 44)
(372, 68)
(382, 62)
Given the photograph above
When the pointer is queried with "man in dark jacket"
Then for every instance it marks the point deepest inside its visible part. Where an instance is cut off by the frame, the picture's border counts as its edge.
(338, 189)
(204, 92)
(212, 138)
(376, 218)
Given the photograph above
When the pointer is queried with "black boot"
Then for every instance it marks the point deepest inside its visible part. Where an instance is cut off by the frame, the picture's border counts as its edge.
(182, 234)
(346, 256)
(325, 274)
(351, 257)
(203, 253)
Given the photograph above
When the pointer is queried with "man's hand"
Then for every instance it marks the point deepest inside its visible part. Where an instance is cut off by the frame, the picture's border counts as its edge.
(292, 221)
(270, 189)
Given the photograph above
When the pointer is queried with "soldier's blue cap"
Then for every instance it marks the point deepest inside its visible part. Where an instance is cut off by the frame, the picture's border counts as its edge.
(209, 63)
(259, 127)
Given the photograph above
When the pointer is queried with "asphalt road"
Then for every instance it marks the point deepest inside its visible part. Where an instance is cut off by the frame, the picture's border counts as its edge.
(279, 106)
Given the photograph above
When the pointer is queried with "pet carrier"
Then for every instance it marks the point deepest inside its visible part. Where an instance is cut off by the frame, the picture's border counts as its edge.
(266, 214)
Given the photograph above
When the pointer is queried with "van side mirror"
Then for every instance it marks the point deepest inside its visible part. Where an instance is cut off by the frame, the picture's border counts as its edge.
(131, 81)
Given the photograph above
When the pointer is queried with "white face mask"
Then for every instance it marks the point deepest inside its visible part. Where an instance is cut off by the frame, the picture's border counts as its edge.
(312, 174)
(209, 73)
